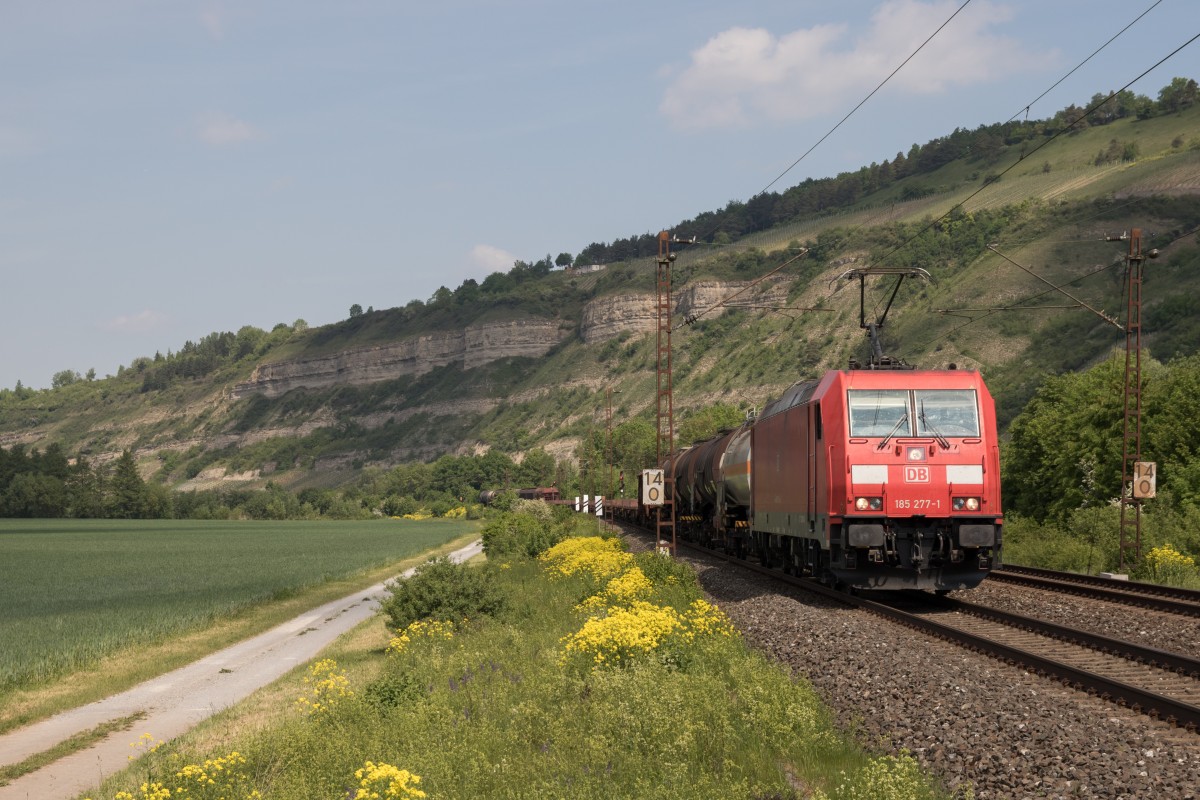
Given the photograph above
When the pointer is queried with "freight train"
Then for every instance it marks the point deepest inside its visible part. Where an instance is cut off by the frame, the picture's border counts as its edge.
(864, 479)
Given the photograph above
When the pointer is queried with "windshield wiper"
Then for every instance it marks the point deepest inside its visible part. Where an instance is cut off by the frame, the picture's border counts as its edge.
(937, 435)
(884, 442)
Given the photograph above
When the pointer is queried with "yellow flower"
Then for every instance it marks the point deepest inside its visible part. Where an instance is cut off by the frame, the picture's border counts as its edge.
(386, 782)
(422, 628)
(326, 685)
(592, 556)
(623, 635)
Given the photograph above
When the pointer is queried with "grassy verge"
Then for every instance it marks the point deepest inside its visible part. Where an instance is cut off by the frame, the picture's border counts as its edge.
(601, 675)
(127, 667)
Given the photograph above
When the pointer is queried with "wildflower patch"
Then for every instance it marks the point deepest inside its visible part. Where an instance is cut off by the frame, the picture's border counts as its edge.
(622, 635)
(420, 629)
(386, 782)
(622, 590)
(1169, 566)
(591, 556)
(327, 686)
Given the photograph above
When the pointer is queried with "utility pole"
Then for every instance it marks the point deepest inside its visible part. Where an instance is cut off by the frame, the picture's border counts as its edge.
(1131, 450)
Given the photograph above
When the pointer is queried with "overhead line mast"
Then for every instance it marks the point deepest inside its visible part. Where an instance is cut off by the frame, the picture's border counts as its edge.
(665, 418)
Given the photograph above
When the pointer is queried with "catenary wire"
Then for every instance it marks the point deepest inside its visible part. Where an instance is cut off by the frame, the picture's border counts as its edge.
(1091, 110)
(1081, 63)
(829, 133)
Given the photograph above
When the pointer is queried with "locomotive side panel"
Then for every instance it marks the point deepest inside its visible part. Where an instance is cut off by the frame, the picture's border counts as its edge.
(778, 442)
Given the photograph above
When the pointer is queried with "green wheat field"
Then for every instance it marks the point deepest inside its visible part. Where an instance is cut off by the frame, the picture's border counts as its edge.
(74, 591)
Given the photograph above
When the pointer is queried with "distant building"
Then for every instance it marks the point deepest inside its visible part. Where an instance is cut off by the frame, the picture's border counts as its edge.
(584, 270)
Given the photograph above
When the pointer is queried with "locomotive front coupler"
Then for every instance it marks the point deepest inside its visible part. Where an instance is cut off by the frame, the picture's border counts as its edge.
(915, 555)
(889, 546)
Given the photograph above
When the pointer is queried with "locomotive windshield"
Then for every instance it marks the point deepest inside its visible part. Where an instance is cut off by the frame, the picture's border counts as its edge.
(889, 412)
(880, 412)
(947, 412)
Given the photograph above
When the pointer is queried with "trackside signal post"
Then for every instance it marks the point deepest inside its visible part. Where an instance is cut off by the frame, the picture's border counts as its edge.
(1136, 474)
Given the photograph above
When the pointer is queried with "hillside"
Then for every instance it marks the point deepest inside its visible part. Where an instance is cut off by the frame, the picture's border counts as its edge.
(524, 359)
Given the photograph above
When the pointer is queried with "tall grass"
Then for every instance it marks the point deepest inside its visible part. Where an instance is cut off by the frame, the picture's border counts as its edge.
(75, 591)
(496, 710)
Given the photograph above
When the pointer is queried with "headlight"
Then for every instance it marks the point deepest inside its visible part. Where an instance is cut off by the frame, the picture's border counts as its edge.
(868, 503)
(965, 504)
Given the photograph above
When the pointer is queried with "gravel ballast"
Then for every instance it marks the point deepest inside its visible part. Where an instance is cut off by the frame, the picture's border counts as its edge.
(968, 718)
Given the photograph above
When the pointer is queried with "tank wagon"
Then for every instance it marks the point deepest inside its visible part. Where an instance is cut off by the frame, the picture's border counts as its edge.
(871, 479)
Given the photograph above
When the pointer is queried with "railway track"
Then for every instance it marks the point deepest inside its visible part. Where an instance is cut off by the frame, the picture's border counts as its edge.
(1155, 682)
(1132, 593)
(1159, 684)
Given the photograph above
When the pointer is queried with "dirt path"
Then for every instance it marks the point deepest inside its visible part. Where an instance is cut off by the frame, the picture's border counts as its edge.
(175, 702)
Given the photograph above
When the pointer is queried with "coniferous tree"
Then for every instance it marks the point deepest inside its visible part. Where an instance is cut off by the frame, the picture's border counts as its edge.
(127, 490)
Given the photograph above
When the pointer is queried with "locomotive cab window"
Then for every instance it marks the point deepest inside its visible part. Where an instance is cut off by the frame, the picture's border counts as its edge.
(879, 412)
(921, 412)
(947, 412)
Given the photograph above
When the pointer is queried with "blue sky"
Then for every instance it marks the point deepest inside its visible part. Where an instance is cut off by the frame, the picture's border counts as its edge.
(169, 169)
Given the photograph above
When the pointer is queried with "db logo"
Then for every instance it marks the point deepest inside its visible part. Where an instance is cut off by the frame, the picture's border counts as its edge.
(916, 474)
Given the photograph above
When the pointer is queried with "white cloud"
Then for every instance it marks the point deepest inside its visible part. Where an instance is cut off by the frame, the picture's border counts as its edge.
(493, 259)
(137, 323)
(743, 76)
(221, 129)
(213, 20)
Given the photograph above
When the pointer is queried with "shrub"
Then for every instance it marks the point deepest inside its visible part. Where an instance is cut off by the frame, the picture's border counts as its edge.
(662, 570)
(398, 505)
(537, 509)
(519, 534)
(440, 589)
(393, 690)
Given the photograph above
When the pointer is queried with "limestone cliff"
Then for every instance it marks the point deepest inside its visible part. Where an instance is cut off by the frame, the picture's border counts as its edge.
(607, 317)
(476, 345)
(471, 347)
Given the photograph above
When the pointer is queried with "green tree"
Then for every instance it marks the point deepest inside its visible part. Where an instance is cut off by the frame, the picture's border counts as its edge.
(35, 495)
(127, 490)
(1064, 451)
(356, 311)
(85, 491)
(704, 423)
(1179, 94)
(248, 340)
(65, 378)
(537, 468)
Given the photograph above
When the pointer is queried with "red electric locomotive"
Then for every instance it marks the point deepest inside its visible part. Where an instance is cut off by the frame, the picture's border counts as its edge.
(881, 477)
(867, 479)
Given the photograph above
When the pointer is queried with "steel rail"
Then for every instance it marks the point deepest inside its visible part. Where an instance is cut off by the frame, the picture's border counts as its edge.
(1143, 595)
(1130, 651)
(1175, 712)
